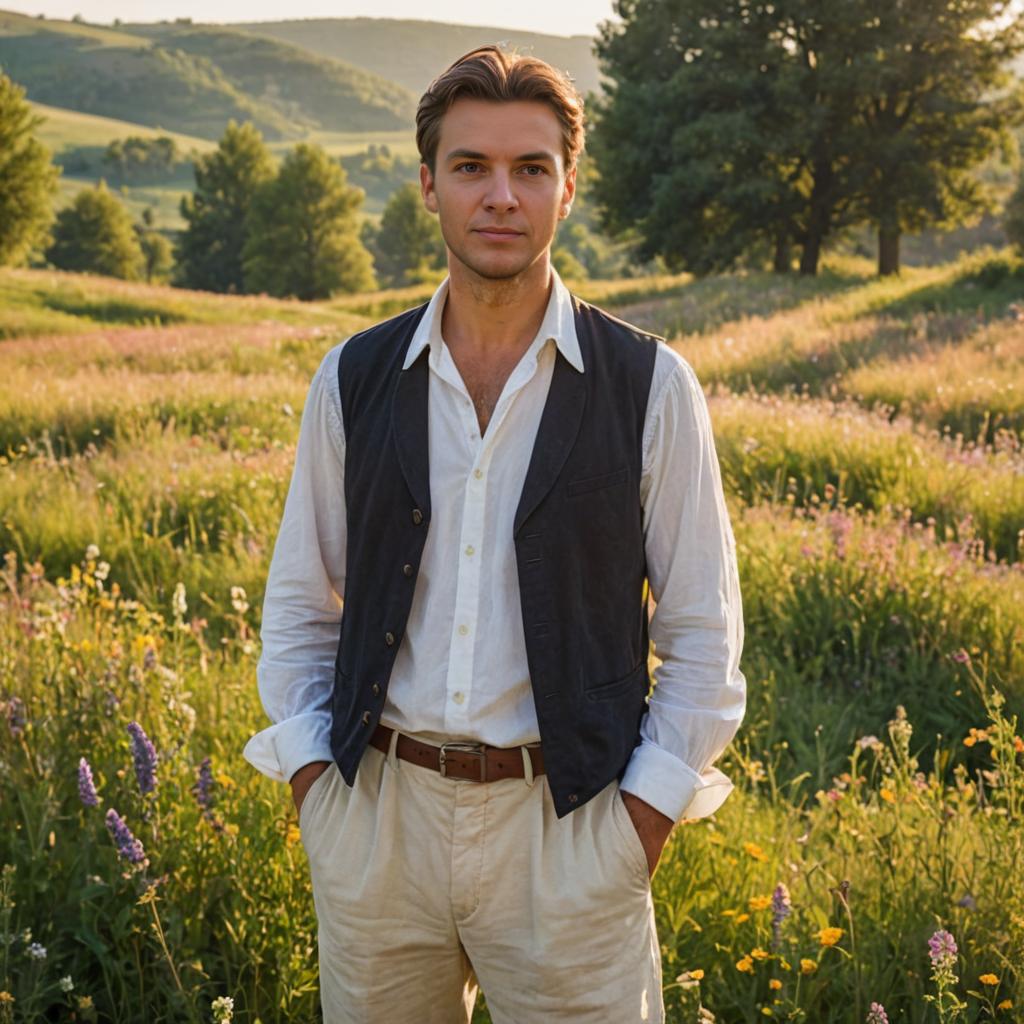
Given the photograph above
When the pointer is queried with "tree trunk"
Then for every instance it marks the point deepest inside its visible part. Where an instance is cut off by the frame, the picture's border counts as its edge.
(888, 249)
(781, 262)
(810, 254)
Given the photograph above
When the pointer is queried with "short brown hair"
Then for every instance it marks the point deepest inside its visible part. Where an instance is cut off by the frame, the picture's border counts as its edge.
(490, 73)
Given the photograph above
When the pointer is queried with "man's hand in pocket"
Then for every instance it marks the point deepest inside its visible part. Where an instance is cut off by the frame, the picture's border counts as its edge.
(304, 778)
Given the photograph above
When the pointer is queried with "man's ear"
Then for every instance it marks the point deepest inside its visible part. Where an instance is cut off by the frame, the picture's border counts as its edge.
(568, 192)
(427, 188)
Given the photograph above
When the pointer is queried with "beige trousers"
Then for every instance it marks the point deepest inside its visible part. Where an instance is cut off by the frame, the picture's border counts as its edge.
(427, 887)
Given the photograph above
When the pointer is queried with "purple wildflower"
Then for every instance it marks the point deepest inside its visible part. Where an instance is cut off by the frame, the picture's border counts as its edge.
(781, 907)
(942, 948)
(86, 787)
(877, 1014)
(127, 845)
(144, 755)
(203, 788)
(16, 716)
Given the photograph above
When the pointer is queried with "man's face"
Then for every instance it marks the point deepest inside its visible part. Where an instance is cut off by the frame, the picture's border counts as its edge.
(499, 185)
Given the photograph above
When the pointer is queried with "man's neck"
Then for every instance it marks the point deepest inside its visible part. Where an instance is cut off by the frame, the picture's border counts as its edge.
(487, 319)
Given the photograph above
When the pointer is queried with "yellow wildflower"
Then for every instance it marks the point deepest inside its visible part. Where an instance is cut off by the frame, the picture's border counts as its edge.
(766, 1011)
(740, 918)
(785, 964)
(697, 974)
(887, 795)
(759, 954)
(6, 997)
(775, 984)
(807, 966)
(746, 965)
(969, 741)
(1006, 1004)
(292, 835)
(225, 780)
(755, 851)
(759, 902)
(730, 912)
(989, 979)
(830, 936)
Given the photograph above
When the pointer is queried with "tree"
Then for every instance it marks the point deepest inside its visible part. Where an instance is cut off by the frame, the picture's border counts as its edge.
(209, 252)
(304, 231)
(1013, 218)
(735, 129)
(408, 245)
(28, 179)
(95, 234)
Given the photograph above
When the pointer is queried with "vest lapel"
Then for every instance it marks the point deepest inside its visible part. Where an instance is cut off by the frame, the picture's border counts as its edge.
(409, 429)
(559, 425)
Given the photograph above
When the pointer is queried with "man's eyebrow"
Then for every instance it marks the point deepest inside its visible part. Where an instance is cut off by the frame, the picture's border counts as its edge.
(472, 154)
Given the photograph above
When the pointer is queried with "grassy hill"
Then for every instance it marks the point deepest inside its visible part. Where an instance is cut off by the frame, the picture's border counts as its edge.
(310, 90)
(413, 52)
(193, 81)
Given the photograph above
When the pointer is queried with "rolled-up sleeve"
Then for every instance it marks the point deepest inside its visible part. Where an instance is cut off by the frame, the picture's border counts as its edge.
(304, 594)
(699, 697)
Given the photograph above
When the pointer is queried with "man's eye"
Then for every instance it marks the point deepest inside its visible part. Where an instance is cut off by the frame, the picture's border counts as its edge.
(468, 166)
(533, 167)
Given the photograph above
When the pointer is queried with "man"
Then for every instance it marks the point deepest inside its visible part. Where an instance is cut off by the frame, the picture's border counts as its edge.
(482, 486)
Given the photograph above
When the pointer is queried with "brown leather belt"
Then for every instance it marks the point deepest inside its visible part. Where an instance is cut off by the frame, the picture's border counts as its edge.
(459, 760)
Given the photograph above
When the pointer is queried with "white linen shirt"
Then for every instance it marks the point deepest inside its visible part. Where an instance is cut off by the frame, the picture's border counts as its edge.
(461, 669)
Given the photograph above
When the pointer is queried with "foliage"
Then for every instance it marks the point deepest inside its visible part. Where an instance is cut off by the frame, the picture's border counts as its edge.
(138, 159)
(732, 132)
(157, 256)
(27, 178)
(95, 235)
(304, 233)
(1013, 218)
(209, 252)
(407, 247)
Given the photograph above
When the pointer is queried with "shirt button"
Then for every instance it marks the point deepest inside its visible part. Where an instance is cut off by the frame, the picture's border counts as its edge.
(470, 549)
(463, 629)
(376, 689)
(458, 696)
(417, 516)
(573, 798)
(478, 473)
(407, 569)
(389, 638)
(366, 718)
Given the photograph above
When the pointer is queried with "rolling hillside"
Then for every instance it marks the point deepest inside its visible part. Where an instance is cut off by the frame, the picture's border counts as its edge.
(194, 81)
(413, 52)
(314, 91)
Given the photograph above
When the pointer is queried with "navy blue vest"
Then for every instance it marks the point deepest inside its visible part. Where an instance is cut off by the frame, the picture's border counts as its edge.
(578, 537)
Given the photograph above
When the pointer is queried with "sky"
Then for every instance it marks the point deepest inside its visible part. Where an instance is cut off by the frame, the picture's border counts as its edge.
(577, 17)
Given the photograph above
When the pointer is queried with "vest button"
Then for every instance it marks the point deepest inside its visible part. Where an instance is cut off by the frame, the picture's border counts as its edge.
(417, 516)
(573, 798)
(407, 569)
(389, 638)
(376, 689)
(366, 718)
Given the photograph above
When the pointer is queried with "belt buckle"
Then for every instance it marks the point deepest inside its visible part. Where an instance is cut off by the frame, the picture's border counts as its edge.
(477, 749)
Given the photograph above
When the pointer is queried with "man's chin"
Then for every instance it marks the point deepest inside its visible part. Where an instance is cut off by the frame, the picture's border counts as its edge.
(498, 269)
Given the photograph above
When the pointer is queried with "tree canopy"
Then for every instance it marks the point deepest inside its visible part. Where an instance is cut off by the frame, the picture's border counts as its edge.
(733, 130)
(95, 234)
(28, 178)
(209, 251)
(304, 231)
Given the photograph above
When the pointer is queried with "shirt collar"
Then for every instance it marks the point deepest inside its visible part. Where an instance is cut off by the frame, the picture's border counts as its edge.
(559, 324)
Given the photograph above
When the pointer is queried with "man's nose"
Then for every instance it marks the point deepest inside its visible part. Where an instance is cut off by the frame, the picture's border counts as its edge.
(501, 195)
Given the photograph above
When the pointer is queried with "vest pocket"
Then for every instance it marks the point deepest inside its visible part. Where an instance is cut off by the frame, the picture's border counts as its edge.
(596, 483)
(631, 680)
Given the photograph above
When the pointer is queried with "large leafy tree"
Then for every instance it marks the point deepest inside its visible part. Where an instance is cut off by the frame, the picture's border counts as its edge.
(408, 246)
(304, 231)
(209, 251)
(736, 129)
(95, 234)
(28, 179)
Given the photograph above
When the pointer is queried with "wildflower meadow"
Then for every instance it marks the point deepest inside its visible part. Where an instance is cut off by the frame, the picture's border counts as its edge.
(867, 867)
